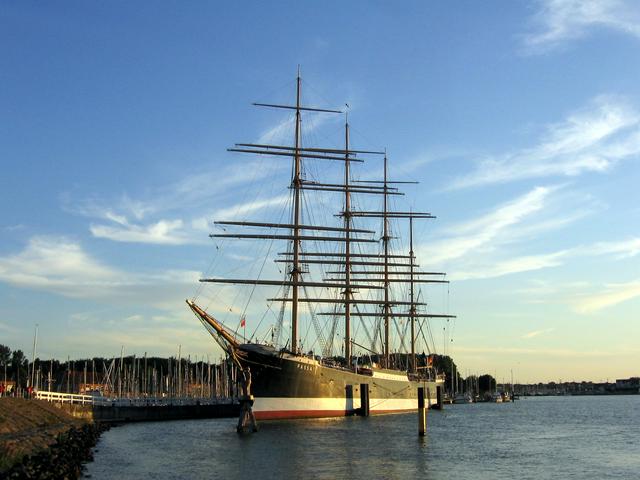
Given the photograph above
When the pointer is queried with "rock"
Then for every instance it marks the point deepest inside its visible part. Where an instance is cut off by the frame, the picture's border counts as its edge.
(63, 459)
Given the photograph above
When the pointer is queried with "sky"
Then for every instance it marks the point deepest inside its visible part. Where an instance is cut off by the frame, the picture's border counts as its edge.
(520, 120)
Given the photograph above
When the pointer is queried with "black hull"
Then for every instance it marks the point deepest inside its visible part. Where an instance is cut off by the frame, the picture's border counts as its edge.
(290, 386)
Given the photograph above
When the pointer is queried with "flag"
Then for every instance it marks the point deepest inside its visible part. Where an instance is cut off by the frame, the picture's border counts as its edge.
(243, 322)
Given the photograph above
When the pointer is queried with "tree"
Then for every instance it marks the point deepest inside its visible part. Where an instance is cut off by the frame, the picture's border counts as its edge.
(445, 364)
(486, 383)
(19, 365)
(5, 354)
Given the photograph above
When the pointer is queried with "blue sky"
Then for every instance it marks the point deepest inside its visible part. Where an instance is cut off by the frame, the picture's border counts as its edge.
(521, 120)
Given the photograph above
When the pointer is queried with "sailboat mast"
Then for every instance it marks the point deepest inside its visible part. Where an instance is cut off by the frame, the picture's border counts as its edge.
(296, 184)
(412, 310)
(385, 240)
(347, 249)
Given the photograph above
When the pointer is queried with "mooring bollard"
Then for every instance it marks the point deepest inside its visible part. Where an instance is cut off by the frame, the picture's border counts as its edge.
(364, 399)
(439, 399)
(422, 413)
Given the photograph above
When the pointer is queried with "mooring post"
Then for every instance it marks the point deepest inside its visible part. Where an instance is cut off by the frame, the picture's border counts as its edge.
(364, 399)
(439, 400)
(247, 418)
(422, 413)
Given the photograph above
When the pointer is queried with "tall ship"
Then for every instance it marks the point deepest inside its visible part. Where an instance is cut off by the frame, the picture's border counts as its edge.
(349, 280)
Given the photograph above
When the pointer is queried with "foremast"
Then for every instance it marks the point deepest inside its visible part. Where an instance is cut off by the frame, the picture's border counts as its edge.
(296, 184)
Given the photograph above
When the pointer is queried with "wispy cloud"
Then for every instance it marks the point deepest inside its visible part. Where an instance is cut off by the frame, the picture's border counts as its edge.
(487, 230)
(163, 232)
(238, 211)
(547, 352)
(499, 242)
(283, 132)
(170, 214)
(519, 264)
(243, 209)
(558, 22)
(620, 249)
(60, 265)
(593, 139)
(613, 294)
(200, 189)
(537, 333)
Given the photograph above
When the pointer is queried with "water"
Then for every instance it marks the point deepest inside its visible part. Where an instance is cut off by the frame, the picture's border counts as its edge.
(533, 438)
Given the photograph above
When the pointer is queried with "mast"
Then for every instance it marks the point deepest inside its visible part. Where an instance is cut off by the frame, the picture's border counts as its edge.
(378, 270)
(347, 248)
(412, 309)
(296, 183)
(385, 240)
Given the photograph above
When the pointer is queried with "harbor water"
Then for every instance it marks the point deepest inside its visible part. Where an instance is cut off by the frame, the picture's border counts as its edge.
(532, 438)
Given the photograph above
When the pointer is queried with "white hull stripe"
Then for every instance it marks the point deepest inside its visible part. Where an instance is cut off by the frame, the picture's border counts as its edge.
(276, 404)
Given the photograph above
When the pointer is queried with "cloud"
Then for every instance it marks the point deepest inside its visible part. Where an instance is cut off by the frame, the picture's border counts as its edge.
(472, 269)
(485, 231)
(184, 202)
(558, 22)
(593, 139)
(244, 209)
(547, 352)
(613, 295)
(498, 243)
(283, 133)
(621, 249)
(163, 232)
(200, 189)
(60, 265)
(537, 333)
(519, 264)
(106, 332)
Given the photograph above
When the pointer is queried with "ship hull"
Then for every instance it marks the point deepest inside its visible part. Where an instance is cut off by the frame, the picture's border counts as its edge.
(290, 386)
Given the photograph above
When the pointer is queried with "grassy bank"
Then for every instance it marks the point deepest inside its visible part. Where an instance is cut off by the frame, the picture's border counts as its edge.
(28, 427)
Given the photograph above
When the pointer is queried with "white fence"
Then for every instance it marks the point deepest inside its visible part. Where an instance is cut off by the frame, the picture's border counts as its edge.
(65, 398)
(126, 402)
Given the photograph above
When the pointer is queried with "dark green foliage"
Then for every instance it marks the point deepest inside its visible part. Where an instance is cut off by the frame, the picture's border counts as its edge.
(487, 384)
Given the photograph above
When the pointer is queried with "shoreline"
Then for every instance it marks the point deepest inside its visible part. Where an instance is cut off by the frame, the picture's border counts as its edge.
(40, 440)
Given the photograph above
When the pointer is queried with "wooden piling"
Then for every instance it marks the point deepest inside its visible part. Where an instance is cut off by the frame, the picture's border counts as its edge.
(364, 400)
(439, 399)
(422, 413)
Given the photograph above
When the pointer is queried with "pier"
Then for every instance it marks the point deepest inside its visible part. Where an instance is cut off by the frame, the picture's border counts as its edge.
(118, 410)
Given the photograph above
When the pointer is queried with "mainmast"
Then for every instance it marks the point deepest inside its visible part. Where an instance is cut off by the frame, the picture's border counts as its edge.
(295, 184)
(347, 248)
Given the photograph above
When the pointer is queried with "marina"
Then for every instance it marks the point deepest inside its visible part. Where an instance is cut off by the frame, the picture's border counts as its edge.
(585, 437)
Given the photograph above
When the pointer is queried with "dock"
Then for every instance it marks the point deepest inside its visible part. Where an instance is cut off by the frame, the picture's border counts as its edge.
(121, 410)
